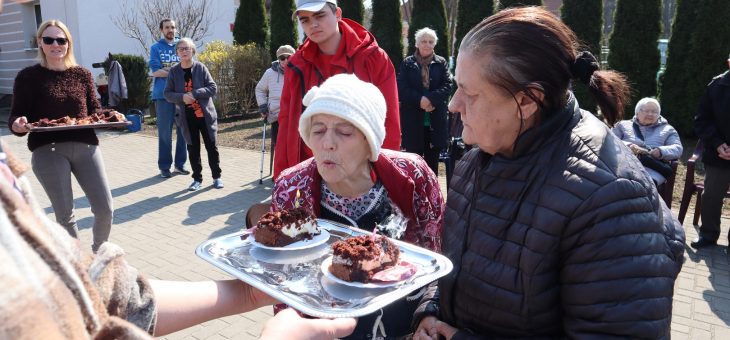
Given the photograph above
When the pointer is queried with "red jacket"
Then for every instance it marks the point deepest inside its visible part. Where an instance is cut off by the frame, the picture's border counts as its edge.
(358, 53)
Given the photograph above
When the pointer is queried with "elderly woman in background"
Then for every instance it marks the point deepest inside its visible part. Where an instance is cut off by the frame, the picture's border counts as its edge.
(353, 181)
(424, 85)
(554, 230)
(648, 134)
(191, 88)
(268, 90)
(54, 88)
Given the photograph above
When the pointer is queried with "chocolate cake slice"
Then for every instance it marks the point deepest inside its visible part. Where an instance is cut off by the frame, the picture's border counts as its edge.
(284, 227)
(358, 258)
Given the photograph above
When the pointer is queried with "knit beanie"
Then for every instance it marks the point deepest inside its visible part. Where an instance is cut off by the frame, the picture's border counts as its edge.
(347, 97)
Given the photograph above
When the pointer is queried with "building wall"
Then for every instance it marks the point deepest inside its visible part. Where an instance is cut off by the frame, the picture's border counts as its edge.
(17, 31)
(90, 23)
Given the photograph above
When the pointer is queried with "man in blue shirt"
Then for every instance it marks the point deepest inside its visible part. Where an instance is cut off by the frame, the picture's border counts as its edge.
(162, 58)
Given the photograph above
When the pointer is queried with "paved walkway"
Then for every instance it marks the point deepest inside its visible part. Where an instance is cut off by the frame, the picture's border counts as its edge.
(159, 223)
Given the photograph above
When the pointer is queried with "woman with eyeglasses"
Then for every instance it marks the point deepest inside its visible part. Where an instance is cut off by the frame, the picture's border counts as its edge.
(268, 90)
(191, 88)
(651, 139)
(54, 88)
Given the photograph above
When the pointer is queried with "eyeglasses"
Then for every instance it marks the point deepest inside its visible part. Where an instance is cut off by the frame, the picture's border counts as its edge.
(184, 49)
(649, 111)
(49, 41)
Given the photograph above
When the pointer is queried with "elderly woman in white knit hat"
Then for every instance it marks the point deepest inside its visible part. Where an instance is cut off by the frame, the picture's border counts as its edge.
(353, 181)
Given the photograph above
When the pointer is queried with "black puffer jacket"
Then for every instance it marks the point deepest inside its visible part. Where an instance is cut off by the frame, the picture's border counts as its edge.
(566, 239)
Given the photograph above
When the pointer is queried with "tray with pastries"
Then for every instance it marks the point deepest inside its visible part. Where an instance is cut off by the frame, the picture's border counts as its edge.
(108, 119)
(313, 279)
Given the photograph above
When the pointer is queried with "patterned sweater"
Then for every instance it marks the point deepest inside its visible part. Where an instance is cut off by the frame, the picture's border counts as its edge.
(411, 186)
(51, 289)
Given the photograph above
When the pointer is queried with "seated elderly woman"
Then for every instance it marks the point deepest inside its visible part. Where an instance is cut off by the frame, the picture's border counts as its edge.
(352, 181)
(651, 138)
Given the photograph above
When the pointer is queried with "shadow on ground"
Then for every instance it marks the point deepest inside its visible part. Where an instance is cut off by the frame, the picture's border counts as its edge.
(717, 261)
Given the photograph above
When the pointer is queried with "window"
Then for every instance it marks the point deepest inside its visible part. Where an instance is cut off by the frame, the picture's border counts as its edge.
(38, 17)
(32, 19)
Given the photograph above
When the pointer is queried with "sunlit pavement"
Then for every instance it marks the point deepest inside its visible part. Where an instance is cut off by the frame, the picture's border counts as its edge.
(159, 223)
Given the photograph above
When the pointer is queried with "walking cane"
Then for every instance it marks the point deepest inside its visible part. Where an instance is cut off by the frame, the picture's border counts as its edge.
(263, 152)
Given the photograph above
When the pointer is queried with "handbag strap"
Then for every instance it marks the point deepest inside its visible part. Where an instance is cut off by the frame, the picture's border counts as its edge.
(637, 131)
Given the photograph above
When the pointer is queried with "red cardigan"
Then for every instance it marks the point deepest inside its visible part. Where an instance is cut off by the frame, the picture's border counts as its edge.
(359, 54)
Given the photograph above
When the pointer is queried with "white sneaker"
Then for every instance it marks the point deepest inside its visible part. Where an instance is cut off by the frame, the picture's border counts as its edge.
(218, 183)
(195, 186)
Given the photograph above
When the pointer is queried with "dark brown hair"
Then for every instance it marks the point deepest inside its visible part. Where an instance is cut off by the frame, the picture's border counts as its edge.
(163, 21)
(531, 49)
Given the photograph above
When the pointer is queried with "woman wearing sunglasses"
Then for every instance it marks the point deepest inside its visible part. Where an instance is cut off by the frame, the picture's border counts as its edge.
(54, 88)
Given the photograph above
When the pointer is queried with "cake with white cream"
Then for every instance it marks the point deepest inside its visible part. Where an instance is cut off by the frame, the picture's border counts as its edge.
(284, 227)
(358, 258)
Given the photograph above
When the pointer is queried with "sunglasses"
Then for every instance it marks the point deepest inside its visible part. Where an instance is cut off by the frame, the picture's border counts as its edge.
(284, 57)
(49, 41)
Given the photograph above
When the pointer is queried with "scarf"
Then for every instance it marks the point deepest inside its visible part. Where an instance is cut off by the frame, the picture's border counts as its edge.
(424, 62)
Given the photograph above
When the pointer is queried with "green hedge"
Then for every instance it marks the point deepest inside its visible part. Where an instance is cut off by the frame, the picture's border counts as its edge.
(387, 28)
(432, 14)
(633, 46)
(283, 28)
(136, 73)
(585, 18)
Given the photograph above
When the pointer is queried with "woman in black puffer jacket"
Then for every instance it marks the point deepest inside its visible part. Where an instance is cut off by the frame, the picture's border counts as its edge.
(553, 227)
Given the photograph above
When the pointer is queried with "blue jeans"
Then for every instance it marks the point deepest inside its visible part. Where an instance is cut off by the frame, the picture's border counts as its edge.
(165, 120)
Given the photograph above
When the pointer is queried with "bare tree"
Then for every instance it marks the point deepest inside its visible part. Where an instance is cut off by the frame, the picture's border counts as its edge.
(140, 20)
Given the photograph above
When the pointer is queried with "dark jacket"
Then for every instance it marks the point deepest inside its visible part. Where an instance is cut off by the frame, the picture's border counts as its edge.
(204, 89)
(358, 54)
(568, 238)
(410, 91)
(712, 123)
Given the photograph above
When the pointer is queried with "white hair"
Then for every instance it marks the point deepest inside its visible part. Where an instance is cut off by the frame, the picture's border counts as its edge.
(427, 31)
(647, 100)
(189, 42)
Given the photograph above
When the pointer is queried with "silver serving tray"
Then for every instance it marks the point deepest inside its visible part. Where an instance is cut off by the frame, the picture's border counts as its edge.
(79, 126)
(295, 277)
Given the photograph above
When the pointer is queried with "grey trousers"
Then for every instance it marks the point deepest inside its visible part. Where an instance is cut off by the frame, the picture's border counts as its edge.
(716, 184)
(53, 165)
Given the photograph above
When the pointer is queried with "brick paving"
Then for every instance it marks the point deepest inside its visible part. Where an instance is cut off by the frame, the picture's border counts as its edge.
(159, 223)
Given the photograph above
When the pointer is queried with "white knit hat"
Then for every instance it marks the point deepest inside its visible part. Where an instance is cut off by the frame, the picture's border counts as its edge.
(347, 97)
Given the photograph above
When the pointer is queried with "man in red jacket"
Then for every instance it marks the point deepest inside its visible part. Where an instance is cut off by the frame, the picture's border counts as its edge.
(334, 45)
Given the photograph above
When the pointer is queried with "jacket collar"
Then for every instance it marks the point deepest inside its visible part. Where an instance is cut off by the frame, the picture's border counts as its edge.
(165, 42)
(725, 78)
(535, 137)
(660, 121)
(399, 185)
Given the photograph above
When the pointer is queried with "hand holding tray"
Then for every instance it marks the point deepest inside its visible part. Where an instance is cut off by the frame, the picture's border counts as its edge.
(295, 277)
(78, 126)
